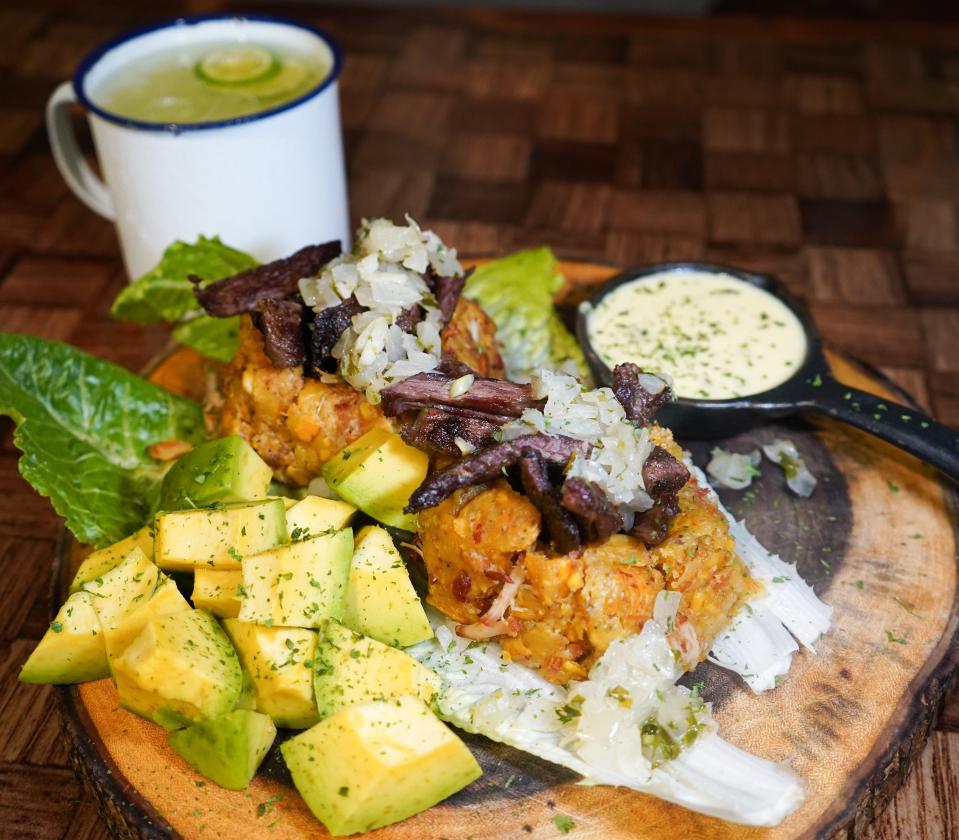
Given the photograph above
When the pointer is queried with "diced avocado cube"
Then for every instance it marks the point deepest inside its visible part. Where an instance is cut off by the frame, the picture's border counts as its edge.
(247, 693)
(226, 749)
(351, 669)
(315, 515)
(100, 562)
(72, 650)
(376, 764)
(218, 538)
(377, 473)
(118, 592)
(166, 599)
(180, 669)
(300, 584)
(224, 470)
(380, 599)
(279, 663)
(217, 591)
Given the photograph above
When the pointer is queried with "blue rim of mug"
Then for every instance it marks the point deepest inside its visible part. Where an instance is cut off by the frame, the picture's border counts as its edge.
(93, 58)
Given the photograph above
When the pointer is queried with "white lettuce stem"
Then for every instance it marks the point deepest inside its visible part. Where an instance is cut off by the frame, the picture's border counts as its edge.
(507, 702)
(757, 645)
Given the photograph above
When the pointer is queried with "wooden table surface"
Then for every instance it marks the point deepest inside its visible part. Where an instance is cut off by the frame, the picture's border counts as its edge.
(825, 152)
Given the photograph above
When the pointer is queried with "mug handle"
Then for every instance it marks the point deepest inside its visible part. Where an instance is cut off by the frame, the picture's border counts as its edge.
(80, 178)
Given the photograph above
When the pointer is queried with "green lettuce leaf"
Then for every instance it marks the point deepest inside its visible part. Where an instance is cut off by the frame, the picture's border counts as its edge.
(517, 293)
(215, 338)
(84, 426)
(165, 293)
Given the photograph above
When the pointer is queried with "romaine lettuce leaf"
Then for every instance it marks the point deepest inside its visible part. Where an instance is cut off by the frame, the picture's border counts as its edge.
(84, 426)
(166, 294)
(215, 338)
(517, 293)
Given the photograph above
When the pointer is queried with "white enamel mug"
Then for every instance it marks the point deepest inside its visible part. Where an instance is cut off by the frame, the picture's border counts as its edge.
(267, 183)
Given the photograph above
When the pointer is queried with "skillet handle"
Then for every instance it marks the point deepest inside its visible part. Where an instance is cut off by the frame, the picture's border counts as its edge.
(905, 427)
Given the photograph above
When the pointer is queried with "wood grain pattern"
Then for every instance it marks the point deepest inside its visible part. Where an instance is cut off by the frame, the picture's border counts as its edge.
(502, 69)
(876, 540)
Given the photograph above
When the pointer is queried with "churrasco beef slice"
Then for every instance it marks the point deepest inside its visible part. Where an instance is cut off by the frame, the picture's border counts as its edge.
(281, 323)
(272, 281)
(639, 403)
(488, 464)
(558, 524)
(596, 514)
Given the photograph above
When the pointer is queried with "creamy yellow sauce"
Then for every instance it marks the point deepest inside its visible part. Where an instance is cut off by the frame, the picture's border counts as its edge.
(717, 336)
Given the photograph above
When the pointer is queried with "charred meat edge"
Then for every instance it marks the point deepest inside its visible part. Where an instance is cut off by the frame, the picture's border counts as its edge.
(276, 280)
(409, 318)
(440, 431)
(651, 526)
(663, 474)
(281, 324)
(595, 513)
(447, 291)
(559, 526)
(323, 333)
(663, 477)
(639, 403)
(453, 367)
(489, 463)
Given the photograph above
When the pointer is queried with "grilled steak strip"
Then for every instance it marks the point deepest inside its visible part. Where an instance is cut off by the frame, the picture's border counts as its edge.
(272, 281)
(663, 477)
(596, 514)
(437, 429)
(559, 526)
(640, 403)
(652, 525)
(409, 318)
(427, 390)
(453, 367)
(323, 333)
(488, 464)
(663, 474)
(458, 411)
(448, 291)
(281, 323)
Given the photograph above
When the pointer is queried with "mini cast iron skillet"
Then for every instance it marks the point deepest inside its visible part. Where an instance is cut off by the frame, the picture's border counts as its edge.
(813, 387)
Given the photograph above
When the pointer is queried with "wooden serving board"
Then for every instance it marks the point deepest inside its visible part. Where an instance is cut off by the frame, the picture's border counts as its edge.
(878, 540)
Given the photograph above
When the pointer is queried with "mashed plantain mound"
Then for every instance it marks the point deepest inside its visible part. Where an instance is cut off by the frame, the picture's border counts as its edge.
(568, 609)
(487, 567)
(296, 424)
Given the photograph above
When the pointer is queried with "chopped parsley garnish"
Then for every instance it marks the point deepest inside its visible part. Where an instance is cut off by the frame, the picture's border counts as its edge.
(658, 744)
(571, 710)
(896, 640)
(267, 806)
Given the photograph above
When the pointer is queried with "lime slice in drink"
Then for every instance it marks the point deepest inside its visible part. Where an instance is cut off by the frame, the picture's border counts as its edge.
(286, 82)
(238, 65)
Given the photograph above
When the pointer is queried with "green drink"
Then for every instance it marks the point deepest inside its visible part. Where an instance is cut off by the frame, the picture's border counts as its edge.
(209, 82)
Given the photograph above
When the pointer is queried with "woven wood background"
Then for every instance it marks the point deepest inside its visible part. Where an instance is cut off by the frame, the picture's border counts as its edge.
(825, 152)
